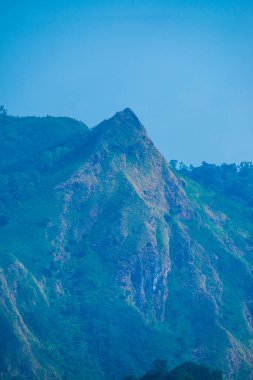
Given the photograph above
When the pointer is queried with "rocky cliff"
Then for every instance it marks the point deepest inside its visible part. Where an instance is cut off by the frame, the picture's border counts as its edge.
(110, 260)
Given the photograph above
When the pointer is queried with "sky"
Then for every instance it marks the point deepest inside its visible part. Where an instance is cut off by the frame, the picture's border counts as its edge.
(184, 67)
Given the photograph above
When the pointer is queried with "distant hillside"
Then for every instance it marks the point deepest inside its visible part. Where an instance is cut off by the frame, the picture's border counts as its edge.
(110, 258)
(234, 181)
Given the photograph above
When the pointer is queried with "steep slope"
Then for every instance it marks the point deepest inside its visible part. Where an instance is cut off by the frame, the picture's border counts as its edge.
(109, 259)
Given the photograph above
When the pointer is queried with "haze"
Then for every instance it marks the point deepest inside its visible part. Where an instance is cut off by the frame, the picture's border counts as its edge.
(184, 67)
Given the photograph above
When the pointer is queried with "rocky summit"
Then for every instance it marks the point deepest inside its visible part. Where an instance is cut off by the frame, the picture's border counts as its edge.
(109, 258)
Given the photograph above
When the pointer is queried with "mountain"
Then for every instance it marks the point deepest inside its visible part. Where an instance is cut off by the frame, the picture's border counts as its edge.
(110, 259)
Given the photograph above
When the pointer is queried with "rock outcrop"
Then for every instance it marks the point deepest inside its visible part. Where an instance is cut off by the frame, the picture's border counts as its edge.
(109, 259)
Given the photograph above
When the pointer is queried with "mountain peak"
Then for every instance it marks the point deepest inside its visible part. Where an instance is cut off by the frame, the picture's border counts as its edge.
(127, 116)
(127, 112)
(124, 120)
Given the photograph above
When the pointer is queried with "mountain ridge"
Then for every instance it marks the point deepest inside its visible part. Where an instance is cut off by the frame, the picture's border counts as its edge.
(112, 245)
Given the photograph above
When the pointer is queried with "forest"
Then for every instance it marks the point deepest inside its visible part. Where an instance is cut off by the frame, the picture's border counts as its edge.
(186, 371)
(234, 181)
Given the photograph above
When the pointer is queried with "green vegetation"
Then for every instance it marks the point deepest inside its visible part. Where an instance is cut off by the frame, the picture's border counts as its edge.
(3, 111)
(108, 260)
(234, 181)
(186, 371)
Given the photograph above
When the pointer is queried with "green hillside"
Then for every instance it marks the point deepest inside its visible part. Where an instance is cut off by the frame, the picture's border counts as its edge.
(110, 259)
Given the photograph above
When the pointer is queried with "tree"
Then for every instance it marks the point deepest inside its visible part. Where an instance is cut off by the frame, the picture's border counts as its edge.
(186, 371)
(193, 371)
(3, 111)
(173, 164)
(158, 371)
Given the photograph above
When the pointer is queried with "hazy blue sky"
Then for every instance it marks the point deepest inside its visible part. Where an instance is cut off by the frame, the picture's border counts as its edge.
(184, 67)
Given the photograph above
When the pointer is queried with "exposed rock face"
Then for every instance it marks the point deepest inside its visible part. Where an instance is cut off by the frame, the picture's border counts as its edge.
(111, 246)
(126, 188)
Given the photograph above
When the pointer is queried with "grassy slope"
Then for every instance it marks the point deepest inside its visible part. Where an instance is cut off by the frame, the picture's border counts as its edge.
(223, 229)
(75, 321)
